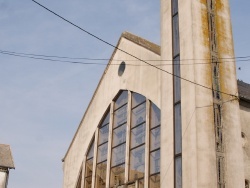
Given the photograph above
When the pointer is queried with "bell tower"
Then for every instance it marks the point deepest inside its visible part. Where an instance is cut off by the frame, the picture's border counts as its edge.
(199, 106)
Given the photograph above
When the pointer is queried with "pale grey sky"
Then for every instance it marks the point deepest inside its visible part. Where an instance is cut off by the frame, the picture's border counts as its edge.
(43, 102)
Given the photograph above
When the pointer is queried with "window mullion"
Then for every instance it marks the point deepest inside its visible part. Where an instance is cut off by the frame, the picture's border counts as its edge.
(109, 154)
(128, 137)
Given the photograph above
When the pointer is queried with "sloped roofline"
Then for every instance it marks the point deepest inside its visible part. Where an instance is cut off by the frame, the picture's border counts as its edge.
(133, 38)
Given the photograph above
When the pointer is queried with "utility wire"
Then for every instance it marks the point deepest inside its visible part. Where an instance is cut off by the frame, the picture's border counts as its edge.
(44, 57)
(98, 38)
(244, 58)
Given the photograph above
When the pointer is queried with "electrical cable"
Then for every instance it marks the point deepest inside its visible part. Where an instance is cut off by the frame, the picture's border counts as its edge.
(107, 59)
(115, 47)
(41, 57)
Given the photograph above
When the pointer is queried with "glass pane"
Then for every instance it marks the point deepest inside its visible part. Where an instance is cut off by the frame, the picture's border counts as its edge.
(137, 99)
(178, 172)
(101, 170)
(106, 120)
(138, 135)
(91, 151)
(138, 115)
(117, 175)
(155, 138)
(174, 6)
(141, 183)
(177, 81)
(119, 135)
(137, 163)
(155, 116)
(122, 99)
(178, 138)
(176, 42)
(118, 155)
(102, 153)
(103, 134)
(155, 162)
(88, 182)
(89, 168)
(120, 116)
(131, 185)
(154, 181)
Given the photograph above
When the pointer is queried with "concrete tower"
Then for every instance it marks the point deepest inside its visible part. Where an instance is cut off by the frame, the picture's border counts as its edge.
(202, 126)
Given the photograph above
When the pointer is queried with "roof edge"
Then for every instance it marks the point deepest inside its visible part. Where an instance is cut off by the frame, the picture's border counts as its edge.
(133, 38)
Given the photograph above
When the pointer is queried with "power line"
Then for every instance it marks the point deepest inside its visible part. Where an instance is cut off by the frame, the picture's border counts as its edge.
(98, 38)
(45, 58)
(241, 58)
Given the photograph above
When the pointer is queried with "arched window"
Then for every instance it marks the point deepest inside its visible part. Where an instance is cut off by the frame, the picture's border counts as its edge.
(102, 149)
(89, 166)
(132, 156)
(117, 170)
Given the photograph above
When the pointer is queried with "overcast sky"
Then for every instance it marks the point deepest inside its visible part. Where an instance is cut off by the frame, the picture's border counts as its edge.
(42, 102)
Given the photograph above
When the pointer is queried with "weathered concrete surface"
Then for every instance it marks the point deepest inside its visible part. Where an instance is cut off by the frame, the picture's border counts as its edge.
(140, 78)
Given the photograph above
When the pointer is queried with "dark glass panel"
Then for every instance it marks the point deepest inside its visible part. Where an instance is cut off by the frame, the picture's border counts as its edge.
(155, 116)
(137, 99)
(91, 151)
(101, 170)
(174, 7)
(89, 168)
(119, 135)
(103, 134)
(118, 155)
(137, 163)
(121, 100)
(120, 116)
(138, 115)
(117, 175)
(176, 42)
(177, 80)
(79, 182)
(178, 131)
(88, 182)
(141, 183)
(154, 181)
(155, 161)
(106, 120)
(155, 138)
(102, 152)
(138, 135)
(178, 172)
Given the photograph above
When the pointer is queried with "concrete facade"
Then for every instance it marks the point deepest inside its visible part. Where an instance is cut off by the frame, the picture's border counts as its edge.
(199, 154)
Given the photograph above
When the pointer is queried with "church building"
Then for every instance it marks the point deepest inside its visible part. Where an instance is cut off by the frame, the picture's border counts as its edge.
(169, 116)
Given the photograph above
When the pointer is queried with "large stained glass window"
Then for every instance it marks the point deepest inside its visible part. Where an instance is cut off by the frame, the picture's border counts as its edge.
(131, 155)
(117, 175)
(89, 166)
(102, 150)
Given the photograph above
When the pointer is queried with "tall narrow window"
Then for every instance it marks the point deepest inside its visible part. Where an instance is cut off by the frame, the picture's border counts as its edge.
(177, 96)
(137, 137)
(101, 167)
(247, 184)
(119, 140)
(155, 138)
(89, 166)
(79, 182)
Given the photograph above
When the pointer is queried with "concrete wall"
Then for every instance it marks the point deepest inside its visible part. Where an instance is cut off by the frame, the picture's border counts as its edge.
(245, 128)
(198, 133)
(140, 78)
(3, 176)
